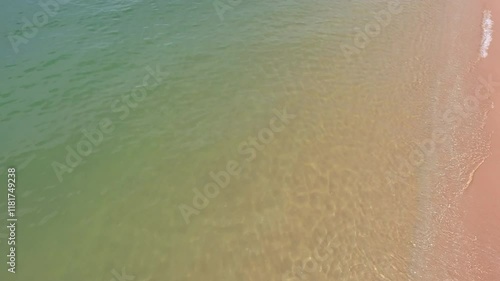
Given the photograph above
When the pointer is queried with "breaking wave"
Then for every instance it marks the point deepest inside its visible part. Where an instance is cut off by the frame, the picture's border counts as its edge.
(487, 33)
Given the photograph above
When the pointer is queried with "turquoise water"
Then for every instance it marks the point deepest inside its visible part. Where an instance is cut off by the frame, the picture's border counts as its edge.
(115, 113)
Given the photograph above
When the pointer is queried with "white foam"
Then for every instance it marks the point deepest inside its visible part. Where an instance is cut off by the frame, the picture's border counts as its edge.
(487, 33)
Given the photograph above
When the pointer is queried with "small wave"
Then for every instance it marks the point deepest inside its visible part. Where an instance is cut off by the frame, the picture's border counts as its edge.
(487, 33)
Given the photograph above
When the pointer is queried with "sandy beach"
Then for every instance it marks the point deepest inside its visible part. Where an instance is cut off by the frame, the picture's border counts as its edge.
(466, 245)
(481, 202)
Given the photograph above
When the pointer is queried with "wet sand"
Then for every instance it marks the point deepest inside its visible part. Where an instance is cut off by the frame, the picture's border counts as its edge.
(481, 201)
(467, 243)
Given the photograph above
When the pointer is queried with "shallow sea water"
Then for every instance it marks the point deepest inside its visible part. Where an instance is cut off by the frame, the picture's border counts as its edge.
(321, 195)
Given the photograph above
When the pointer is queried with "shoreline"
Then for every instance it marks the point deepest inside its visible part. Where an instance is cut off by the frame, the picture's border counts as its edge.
(458, 234)
(481, 201)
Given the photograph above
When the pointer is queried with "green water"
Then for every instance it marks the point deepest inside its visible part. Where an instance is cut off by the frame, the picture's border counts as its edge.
(206, 89)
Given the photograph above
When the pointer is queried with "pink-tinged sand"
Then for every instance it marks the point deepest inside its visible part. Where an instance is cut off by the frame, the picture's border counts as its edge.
(481, 201)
